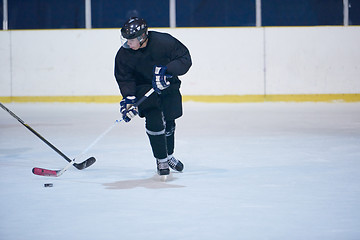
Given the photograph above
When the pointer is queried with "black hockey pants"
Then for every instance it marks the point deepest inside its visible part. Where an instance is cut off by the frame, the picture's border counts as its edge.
(160, 112)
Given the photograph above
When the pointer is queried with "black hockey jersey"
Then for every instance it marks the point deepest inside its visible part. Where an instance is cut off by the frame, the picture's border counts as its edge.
(135, 67)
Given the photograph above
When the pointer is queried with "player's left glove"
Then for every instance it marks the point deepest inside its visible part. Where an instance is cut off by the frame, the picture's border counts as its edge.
(160, 79)
(127, 110)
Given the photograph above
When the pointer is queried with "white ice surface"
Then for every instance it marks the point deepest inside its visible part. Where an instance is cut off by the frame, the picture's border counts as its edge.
(252, 171)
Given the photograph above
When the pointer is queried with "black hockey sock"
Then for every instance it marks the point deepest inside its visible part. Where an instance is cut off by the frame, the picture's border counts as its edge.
(155, 129)
(170, 136)
(158, 144)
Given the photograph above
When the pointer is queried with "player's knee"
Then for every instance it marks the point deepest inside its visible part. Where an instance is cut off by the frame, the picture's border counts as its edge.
(154, 121)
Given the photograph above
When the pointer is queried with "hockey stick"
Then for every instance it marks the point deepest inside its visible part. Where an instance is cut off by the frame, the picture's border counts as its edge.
(57, 173)
(87, 163)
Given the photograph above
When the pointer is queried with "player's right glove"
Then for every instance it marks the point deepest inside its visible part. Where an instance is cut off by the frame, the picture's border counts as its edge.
(127, 109)
(160, 79)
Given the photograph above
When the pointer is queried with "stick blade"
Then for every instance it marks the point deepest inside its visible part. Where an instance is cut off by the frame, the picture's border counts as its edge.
(85, 164)
(45, 172)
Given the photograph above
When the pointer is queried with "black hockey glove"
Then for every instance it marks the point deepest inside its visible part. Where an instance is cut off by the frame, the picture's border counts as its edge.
(127, 109)
(160, 79)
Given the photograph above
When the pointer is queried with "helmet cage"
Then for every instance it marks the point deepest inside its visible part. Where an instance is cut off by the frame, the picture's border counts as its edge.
(134, 28)
(142, 38)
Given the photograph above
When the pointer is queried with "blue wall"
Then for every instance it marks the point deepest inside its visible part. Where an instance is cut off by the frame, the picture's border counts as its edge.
(113, 13)
(214, 13)
(53, 14)
(45, 14)
(1, 13)
(302, 12)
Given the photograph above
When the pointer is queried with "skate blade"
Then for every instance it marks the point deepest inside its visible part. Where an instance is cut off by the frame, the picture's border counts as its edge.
(163, 178)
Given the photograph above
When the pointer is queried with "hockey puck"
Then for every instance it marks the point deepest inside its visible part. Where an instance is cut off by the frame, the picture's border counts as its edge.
(48, 185)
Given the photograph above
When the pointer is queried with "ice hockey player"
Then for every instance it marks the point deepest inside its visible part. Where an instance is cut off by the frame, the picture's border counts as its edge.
(150, 59)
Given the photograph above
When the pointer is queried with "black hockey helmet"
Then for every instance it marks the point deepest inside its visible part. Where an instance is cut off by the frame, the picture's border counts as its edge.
(133, 28)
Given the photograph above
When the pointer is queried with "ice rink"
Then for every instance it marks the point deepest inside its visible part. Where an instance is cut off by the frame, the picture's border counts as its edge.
(252, 171)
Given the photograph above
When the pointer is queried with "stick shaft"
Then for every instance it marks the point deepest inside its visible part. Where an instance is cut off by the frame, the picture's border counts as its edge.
(36, 133)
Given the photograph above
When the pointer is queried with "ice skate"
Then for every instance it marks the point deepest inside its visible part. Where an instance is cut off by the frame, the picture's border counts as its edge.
(163, 168)
(175, 164)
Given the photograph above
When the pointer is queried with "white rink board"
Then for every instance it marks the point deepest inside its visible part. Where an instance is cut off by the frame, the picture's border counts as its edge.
(226, 61)
(313, 60)
(5, 67)
(63, 62)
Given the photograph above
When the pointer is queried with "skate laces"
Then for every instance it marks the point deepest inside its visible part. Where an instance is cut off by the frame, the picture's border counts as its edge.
(173, 162)
(162, 164)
